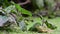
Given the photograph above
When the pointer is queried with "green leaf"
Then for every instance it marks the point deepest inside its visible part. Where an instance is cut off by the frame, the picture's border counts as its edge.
(51, 26)
(55, 21)
(5, 3)
(35, 20)
(10, 8)
(22, 10)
